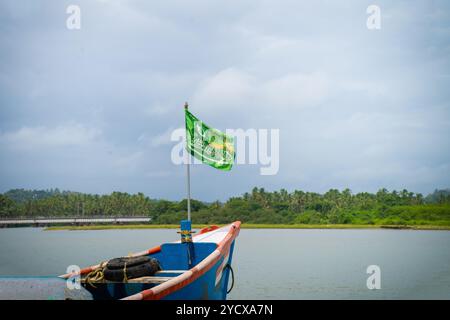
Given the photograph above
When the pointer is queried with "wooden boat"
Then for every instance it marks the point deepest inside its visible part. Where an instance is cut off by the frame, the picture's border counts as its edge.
(198, 269)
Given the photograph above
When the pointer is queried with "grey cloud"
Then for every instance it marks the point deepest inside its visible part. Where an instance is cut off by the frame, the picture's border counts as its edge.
(91, 110)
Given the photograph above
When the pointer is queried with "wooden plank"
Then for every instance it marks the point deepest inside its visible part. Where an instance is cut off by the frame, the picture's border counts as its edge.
(135, 280)
(150, 280)
(170, 271)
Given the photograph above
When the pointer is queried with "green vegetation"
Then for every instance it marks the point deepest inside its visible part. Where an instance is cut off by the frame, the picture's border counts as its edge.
(298, 208)
(123, 226)
(248, 226)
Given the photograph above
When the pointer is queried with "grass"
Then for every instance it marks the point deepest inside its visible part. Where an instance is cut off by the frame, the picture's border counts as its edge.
(253, 226)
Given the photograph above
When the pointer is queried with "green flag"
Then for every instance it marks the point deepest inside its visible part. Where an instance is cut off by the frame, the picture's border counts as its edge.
(209, 145)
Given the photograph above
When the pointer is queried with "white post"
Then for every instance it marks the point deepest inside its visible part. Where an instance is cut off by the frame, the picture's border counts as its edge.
(188, 171)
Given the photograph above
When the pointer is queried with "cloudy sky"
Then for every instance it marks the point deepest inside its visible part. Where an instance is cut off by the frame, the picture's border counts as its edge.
(92, 110)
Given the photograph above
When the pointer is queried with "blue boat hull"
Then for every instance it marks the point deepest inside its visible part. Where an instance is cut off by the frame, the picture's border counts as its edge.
(205, 287)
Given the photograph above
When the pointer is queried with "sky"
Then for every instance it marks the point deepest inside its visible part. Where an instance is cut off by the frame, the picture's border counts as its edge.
(93, 109)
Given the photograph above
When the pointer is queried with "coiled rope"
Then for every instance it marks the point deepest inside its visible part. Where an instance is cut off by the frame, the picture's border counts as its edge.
(96, 275)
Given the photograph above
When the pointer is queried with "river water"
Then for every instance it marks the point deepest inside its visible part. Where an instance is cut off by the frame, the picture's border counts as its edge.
(268, 264)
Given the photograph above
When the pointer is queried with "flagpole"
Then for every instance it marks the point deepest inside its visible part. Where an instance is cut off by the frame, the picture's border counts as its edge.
(188, 171)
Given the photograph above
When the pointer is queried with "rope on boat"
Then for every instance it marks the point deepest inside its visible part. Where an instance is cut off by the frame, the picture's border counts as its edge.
(232, 276)
(96, 275)
(125, 278)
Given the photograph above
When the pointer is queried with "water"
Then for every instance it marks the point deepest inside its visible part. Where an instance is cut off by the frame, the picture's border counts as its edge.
(268, 264)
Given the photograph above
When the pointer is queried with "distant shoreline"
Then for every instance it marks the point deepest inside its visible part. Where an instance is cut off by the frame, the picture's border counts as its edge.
(253, 226)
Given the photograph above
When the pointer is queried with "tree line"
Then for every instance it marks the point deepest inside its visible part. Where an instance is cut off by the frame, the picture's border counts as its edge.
(258, 206)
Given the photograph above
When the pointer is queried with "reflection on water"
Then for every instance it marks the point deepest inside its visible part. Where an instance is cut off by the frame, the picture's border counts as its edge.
(268, 264)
